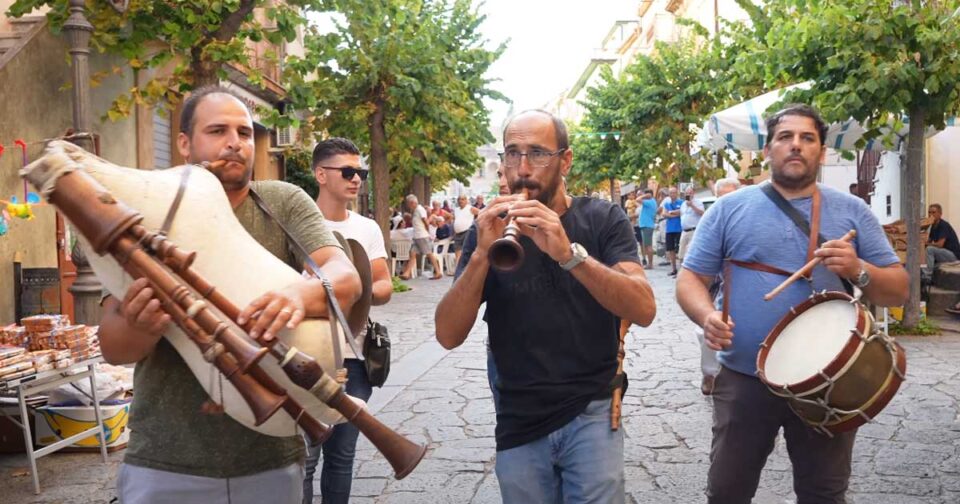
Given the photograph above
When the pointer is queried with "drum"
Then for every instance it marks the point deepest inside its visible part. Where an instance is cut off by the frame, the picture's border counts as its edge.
(828, 359)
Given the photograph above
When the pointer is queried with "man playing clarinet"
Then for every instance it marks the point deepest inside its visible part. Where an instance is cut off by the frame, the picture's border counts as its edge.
(553, 322)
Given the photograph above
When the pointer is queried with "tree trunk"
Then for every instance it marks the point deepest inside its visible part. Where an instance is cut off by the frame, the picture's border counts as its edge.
(204, 72)
(416, 188)
(380, 170)
(427, 190)
(614, 193)
(910, 192)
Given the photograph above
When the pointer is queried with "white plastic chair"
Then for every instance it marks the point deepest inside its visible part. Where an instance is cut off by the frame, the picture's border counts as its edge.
(400, 253)
(442, 247)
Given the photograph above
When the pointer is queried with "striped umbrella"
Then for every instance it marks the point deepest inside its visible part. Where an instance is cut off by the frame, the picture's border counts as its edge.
(742, 127)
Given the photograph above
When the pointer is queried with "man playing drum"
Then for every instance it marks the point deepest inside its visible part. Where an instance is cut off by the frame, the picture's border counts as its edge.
(336, 166)
(553, 322)
(176, 452)
(748, 226)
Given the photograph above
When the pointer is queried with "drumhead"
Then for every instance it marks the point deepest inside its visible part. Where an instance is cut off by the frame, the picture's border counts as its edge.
(810, 342)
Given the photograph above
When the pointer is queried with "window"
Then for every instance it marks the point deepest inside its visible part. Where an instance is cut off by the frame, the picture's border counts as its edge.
(162, 139)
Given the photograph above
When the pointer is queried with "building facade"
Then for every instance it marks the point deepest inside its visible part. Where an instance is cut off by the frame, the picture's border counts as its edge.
(38, 106)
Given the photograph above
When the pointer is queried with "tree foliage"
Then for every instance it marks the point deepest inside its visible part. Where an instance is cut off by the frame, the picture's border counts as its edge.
(194, 38)
(405, 80)
(598, 158)
(659, 100)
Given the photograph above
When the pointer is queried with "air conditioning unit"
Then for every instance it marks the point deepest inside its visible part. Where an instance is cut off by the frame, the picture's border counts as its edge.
(285, 136)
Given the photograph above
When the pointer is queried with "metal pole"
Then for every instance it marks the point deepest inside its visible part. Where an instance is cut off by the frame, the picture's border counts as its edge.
(86, 288)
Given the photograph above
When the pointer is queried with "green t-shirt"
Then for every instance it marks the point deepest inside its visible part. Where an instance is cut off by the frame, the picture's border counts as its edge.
(169, 432)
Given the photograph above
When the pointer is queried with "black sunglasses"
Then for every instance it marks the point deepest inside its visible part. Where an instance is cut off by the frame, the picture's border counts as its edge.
(349, 171)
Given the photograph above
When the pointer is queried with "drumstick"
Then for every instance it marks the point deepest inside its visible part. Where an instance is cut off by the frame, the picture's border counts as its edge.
(805, 269)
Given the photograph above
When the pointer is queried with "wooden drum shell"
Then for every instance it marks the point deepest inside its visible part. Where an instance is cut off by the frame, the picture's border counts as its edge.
(864, 375)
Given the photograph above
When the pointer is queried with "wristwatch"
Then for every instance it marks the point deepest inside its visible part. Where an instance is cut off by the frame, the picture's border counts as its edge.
(863, 278)
(579, 255)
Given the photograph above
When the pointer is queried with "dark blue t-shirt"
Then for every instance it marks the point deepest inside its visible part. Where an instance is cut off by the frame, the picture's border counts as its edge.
(554, 345)
(942, 230)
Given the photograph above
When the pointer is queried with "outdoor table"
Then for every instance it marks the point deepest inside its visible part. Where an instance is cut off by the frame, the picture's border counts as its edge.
(46, 380)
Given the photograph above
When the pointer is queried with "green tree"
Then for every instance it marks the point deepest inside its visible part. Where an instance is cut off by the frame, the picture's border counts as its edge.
(196, 37)
(596, 141)
(405, 79)
(670, 91)
(880, 62)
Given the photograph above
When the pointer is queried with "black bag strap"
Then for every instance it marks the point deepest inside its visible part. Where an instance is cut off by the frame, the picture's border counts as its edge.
(327, 286)
(799, 220)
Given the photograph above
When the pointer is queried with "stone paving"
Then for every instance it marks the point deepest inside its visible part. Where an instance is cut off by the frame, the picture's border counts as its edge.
(908, 455)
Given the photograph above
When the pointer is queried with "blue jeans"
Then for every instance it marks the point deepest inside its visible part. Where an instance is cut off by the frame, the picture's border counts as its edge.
(336, 477)
(581, 462)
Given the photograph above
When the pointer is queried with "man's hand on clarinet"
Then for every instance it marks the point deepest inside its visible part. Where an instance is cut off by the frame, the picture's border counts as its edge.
(542, 225)
(717, 333)
(142, 310)
(272, 312)
(489, 222)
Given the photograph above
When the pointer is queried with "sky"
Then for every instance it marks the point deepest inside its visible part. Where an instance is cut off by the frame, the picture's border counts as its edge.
(551, 42)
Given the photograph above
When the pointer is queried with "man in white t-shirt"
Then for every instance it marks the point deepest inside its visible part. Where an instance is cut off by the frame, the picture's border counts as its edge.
(690, 211)
(463, 216)
(421, 239)
(336, 166)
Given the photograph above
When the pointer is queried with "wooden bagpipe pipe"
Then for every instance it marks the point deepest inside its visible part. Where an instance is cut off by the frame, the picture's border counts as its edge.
(271, 387)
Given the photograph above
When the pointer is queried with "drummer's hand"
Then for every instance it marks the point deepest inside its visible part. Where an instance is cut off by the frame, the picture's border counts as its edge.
(489, 223)
(543, 226)
(272, 312)
(717, 334)
(840, 257)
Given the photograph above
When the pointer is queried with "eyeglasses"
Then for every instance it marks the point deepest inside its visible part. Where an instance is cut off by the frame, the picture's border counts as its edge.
(349, 171)
(536, 158)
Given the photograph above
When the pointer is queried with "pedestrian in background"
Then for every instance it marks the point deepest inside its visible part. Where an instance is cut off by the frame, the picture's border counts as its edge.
(339, 174)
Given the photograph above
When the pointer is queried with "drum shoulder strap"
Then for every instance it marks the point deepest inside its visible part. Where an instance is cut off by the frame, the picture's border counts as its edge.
(801, 222)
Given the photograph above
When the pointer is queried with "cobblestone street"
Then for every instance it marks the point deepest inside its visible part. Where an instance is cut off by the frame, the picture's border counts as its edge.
(908, 455)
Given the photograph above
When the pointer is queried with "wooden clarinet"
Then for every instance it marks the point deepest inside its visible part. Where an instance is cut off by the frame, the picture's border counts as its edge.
(616, 402)
(506, 254)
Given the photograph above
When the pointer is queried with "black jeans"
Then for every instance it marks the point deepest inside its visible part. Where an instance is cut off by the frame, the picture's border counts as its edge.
(746, 420)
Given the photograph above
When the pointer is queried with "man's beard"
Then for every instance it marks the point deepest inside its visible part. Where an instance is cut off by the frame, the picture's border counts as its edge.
(545, 194)
(794, 182)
